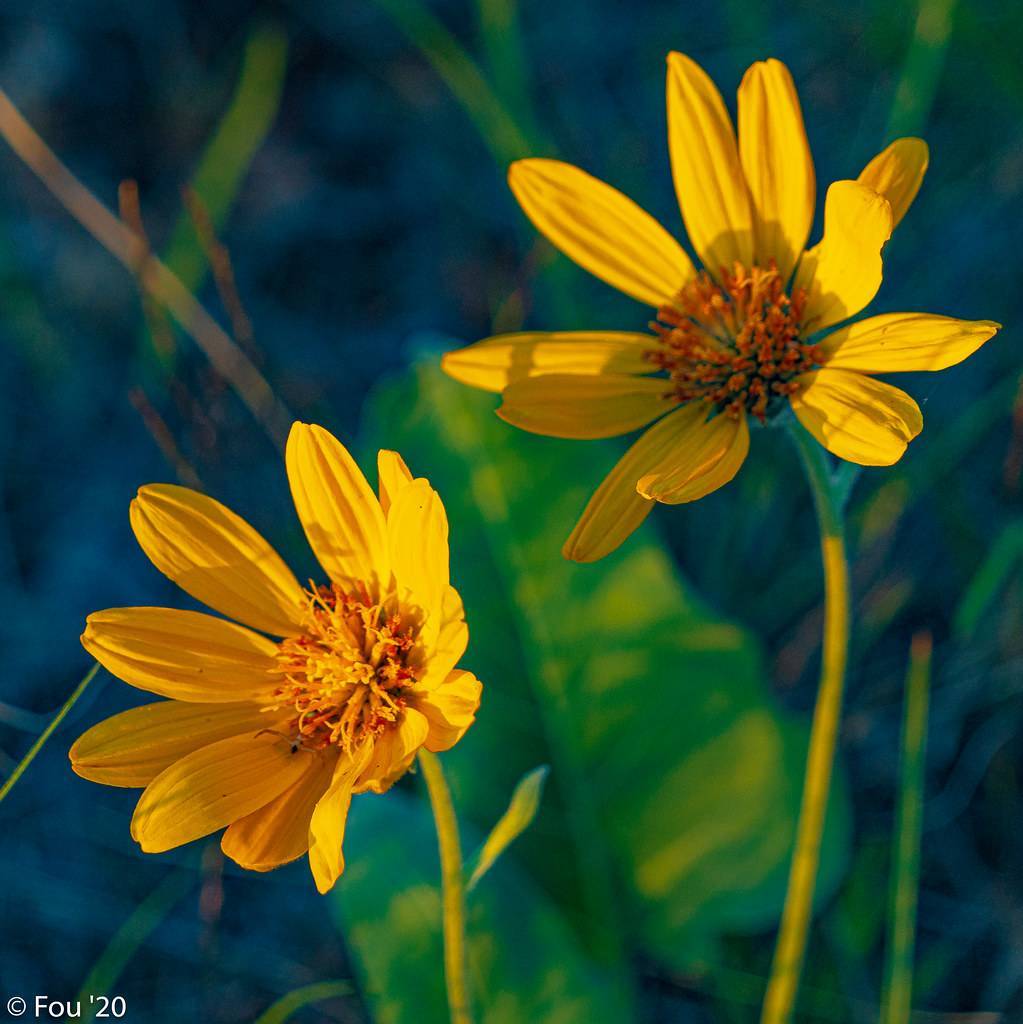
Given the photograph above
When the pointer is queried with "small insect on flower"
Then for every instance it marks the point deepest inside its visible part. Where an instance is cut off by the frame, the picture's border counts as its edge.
(320, 693)
(748, 336)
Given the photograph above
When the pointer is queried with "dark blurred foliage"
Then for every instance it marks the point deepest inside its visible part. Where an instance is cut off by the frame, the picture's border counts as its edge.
(376, 210)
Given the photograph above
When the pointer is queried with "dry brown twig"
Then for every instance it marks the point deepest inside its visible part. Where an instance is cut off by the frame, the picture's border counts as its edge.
(154, 276)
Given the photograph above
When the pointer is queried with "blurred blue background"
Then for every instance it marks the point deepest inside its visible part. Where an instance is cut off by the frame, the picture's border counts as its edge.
(352, 156)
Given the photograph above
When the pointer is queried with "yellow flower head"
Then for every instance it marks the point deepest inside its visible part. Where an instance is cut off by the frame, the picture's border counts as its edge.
(270, 736)
(743, 338)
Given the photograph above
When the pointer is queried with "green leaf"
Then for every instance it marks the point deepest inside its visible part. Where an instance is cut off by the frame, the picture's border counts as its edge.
(524, 962)
(462, 75)
(288, 1005)
(676, 777)
(522, 808)
(229, 153)
(995, 571)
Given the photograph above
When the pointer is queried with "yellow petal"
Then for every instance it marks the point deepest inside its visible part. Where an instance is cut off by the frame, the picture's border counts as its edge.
(327, 825)
(711, 188)
(776, 159)
(450, 643)
(602, 230)
(215, 556)
(568, 405)
(185, 655)
(843, 272)
(494, 363)
(279, 832)
(897, 173)
(706, 458)
(340, 513)
(212, 787)
(616, 509)
(857, 418)
(898, 342)
(132, 748)
(392, 474)
(417, 528)
(393, 751)
(450, 709)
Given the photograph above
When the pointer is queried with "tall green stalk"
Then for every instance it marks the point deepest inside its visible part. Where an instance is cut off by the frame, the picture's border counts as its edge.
(453, 887)
(829, 493)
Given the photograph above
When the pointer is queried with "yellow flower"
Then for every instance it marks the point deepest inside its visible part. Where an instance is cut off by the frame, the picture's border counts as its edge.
(744, 337)
(270, 738)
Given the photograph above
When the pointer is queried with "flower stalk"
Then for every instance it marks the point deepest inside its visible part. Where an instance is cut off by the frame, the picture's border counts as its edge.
(829, 495)
(453, 887)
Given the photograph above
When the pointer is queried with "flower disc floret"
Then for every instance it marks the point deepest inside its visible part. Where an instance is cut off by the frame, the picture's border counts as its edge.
(347, 676)
(734, 341)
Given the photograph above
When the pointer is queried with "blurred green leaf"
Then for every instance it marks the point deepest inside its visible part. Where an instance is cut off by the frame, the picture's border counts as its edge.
(288, 1005)
(504, 137)
(507, 60)
(524, 962)
(896, 998)
(522, 808)
(1003, 559)
(229, 153)
(921, 72)
(129, 938)
(672, 767)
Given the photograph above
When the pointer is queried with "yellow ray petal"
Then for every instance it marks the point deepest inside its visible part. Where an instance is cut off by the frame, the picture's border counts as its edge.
(279, 832)
(843, 272)
(602, 230)
(392, 474)
(450, 709)
(185, 655)
(777, 163)
(711, 188)
(450, 643)
(327, 825)
(897, 174)
(340, 513)
(417, 529)
(616, 509)
(215, 556)
(897, 342)
(212, 787)
(393, 751)
(494, 363)
(569, 405)
(132, 748)
(857, 418)
(706, 458)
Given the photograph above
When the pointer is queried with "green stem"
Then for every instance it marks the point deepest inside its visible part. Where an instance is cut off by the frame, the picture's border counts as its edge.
(47, 733)
(898, 987)
(790, 950)
(453, 885)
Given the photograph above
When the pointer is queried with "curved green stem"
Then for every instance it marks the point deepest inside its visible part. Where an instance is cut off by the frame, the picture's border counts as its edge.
(790, 950)
(453, 885)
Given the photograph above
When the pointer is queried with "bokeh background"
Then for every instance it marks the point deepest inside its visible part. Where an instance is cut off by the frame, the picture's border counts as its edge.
(351, 158)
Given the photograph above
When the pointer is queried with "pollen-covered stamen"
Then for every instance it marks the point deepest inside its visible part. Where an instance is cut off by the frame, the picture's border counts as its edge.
(735, 343)
(347, 675)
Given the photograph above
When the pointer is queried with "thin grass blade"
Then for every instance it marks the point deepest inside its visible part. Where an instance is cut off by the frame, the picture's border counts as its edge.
(59, 717)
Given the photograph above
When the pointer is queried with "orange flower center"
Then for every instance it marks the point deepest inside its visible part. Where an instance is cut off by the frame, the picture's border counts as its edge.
(735, 342)
(346, 677)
